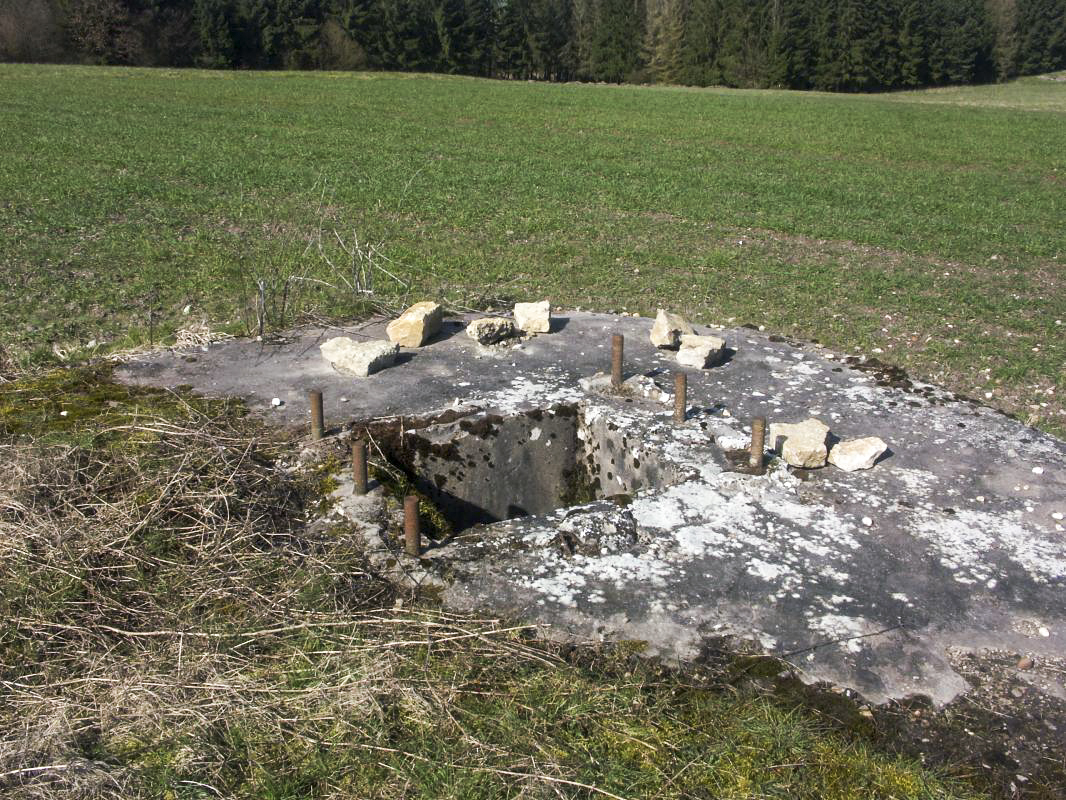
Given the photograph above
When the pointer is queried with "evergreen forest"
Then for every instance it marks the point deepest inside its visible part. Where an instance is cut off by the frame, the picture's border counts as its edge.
(833, 45)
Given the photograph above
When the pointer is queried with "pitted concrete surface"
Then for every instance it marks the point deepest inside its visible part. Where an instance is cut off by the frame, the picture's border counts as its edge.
(869, 580)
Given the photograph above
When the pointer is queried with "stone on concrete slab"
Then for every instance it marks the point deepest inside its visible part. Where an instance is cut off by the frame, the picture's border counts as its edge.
(417, 325)
(490, 330)
(700, 351)
(668, 329)
(646, 387)
(533, 317)
(855, 454)
(801, 444)
(359, 358)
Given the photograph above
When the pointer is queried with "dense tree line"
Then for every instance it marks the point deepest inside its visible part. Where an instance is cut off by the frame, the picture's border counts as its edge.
(840, 45)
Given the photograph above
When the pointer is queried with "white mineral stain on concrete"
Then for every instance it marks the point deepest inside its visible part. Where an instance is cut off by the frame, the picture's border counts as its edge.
(766, 571)
(787, 543)
(968, 542)
(845, 629)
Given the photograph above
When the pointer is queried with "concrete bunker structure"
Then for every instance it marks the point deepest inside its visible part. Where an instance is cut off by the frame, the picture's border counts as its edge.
(596, 514)
(479, 468)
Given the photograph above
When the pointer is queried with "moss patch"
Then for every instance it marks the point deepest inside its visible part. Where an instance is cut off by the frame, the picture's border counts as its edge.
(397, 484)
(84, 405)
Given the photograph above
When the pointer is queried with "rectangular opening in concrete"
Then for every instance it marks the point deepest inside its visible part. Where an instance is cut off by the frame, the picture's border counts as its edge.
(483, 468)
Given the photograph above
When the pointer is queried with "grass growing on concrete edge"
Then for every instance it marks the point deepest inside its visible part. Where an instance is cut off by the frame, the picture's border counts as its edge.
(171, 627)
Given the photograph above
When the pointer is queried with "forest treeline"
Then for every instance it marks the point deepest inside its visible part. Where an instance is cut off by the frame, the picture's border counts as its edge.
(836, 45)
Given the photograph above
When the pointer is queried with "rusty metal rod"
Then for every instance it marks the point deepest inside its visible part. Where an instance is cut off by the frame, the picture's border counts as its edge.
(412, 531)
(758, 442)
(680, 397)
(359, 465)
(318, 428)
(617, 346)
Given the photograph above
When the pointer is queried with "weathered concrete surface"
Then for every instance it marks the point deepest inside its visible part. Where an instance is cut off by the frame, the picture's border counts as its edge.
(870, 579)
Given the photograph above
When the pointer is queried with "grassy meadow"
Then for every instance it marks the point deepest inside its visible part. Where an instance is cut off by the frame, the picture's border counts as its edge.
(925, 227)
(170, 624)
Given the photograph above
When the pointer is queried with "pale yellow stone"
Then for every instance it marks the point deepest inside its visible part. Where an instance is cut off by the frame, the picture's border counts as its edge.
(490, 330)
(417, 325)
(854, 454)
(533, 317)
(359, 358)
(700, 351)
(801, 444)
(668, 329)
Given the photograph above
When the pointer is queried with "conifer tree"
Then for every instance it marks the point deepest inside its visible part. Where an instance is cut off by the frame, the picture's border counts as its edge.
(702, 42)
(448, 23)
(614, 48)
(477, 36)
(794, 63)
(913, 45)
(1043, 35)
(1003, 17)
(215, 24)
(664, 41)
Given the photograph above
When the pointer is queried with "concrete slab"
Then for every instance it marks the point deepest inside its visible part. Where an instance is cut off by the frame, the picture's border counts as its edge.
(870, 580)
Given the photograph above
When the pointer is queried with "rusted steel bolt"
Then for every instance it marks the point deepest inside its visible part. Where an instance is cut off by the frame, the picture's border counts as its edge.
(359, 465)
(758, 442)
(318, 428)
(680, 397)
(617, 346)
(412, 531)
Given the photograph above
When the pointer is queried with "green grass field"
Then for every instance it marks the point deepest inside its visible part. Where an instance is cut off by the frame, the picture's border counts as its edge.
(927, 225)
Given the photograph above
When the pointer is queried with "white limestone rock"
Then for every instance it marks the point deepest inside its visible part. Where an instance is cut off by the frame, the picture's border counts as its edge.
(417, 325)
(359, 358)
(643, 386)
(801, 444)
(490, 330)
(854, 454)
(700, 351)
(668, 329)
(533, 317)
(633, 386)
(599, 383)
(597, 531)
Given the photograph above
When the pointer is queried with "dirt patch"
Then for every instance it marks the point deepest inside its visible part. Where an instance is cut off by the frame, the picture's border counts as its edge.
(1006, 732)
